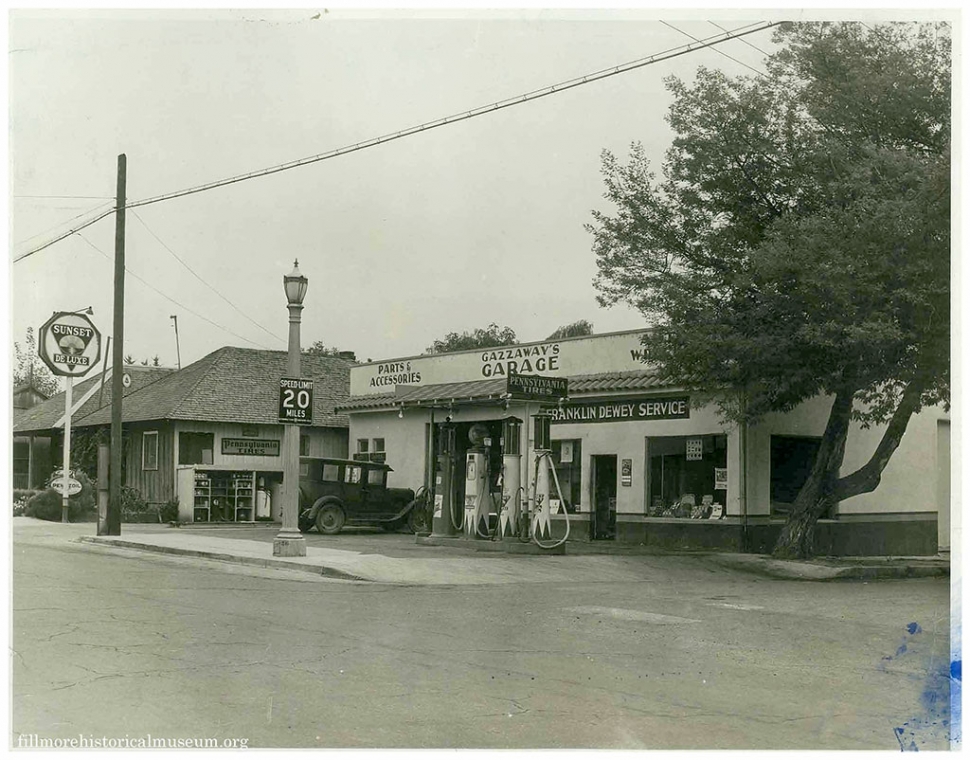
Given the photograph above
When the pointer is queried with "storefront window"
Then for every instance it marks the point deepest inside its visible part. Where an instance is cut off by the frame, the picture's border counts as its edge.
(687, 476)
(304, 445)
(195, 448)
(791, 464)
(568, 458)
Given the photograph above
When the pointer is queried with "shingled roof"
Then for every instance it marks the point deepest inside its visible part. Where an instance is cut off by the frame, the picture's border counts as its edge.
(235, 385)
(42, 417)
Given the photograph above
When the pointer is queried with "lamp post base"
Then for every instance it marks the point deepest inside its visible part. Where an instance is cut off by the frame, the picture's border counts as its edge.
(289, 544)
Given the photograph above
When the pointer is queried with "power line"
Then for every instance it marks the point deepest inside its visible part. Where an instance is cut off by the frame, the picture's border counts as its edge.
(68, 233)
(730, 57)
(200, 279)
(169, 298)
(750, 45)
(528, 97)
(481, 111)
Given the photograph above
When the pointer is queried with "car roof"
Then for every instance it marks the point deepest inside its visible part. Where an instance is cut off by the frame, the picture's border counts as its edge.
(334, 460)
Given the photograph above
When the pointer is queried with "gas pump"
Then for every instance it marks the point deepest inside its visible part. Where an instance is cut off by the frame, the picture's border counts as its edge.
(511, 478)
(541, 526)
(477, 497)
(443, 521)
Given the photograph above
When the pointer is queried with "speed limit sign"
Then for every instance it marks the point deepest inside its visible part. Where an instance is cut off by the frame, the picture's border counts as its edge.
(296, 401)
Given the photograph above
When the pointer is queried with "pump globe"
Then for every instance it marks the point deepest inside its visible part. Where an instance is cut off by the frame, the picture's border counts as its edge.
(295, 285)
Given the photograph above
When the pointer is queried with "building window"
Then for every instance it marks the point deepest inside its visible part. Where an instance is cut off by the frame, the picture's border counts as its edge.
(791, 464)
(378, 454)
(363, 445)
(195, 448)
(149, 450)
(304, 445)
(687, 476)
(567, 457)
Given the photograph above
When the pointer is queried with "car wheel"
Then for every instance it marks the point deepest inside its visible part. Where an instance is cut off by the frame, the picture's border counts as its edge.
(417, 519)
(330, 519)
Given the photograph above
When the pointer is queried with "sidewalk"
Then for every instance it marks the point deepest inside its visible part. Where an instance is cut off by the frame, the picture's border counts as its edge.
(464, 566)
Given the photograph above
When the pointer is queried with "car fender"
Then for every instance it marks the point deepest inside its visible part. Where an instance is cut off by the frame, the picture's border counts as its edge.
(323, 501)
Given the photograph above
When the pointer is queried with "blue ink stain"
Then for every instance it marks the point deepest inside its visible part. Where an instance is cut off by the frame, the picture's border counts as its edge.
(913, 628)
(955, 670)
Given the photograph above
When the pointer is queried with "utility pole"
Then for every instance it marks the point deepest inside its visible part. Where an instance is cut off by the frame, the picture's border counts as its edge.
(178, 353)
(113, 526)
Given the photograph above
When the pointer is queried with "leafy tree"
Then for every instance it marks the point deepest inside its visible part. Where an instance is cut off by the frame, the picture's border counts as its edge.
(129, 359)
(30, 368)
(582, 327)
(799, 241)
(487, 337)
(317, 348)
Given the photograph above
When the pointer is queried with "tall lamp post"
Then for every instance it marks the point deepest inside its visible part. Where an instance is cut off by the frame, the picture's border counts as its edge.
(289, 542)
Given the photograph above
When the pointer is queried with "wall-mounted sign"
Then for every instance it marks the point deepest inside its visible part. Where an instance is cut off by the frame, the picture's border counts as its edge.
(695, 449)
(296, 400)
(626, 472)
(566, 452)
(250, 431)
(536, 387)
(624, 410)
(720, 479)
(249, 447)
(69, 344)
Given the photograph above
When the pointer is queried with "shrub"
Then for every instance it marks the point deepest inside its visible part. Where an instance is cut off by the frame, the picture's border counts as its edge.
(133, 506)
(20, 498)
(169, 511)
(46, 505)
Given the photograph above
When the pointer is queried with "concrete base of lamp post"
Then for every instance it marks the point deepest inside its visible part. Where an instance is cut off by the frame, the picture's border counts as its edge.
(289, 544)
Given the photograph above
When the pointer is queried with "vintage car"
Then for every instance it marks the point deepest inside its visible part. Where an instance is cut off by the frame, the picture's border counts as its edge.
(339, 492)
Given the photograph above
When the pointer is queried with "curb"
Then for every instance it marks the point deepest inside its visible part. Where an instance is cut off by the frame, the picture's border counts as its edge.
(811, 571)
(323, 570)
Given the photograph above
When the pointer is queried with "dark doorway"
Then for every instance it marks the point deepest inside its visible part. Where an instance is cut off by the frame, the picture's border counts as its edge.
(604, 496)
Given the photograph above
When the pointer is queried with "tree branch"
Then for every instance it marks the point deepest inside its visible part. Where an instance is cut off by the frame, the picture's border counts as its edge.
(867, 477)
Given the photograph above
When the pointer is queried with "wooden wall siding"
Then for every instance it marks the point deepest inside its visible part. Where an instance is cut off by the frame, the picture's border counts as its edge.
(155, 486)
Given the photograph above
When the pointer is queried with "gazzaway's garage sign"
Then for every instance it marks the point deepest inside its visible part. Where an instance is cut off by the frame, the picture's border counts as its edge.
(624, 410)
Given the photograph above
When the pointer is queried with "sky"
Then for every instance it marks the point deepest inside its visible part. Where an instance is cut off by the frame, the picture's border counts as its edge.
(448, 230)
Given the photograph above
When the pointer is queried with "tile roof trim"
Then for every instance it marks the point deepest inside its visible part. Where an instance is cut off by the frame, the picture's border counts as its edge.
(361, 403)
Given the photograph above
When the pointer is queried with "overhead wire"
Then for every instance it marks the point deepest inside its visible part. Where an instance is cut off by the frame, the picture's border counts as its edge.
(721, 52)
(177, 303)
(668, 54)
(70, 232)
(750, 45)
(482, 110)
(202, 280)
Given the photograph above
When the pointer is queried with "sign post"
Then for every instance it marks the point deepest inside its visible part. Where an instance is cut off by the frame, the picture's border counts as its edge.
(70, 345)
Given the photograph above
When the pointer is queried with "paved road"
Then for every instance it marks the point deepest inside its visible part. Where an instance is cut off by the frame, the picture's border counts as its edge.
(688, 655)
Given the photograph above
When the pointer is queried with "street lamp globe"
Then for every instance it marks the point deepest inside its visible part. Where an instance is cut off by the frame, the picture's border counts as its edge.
(295, 285)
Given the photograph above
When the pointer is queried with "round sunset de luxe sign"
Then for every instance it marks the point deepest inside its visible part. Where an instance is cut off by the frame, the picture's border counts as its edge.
(69, 344)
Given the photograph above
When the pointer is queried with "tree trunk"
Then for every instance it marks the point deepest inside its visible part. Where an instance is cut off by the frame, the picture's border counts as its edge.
(824, 488)
(817, 496)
